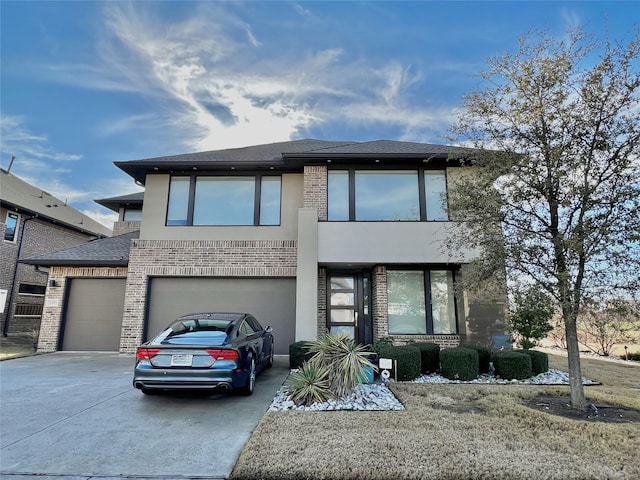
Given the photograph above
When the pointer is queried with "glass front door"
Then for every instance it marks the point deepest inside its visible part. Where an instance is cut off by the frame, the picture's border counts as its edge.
(349, 309)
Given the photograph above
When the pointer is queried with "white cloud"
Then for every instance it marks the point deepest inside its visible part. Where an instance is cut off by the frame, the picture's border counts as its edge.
(214, 84)
(31, 150)
(106, 219)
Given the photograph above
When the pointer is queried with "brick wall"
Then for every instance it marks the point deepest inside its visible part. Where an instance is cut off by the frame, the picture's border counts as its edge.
(315, 189)
(322, 301)
(52, 313)
(39, 237)
(122, 227)
(197, 258)
(379, 302)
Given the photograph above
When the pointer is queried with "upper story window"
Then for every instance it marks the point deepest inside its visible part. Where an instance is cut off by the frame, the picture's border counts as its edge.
(31, 289)
(11, 228)
(224, 200)
(132, 215)
(387, 195)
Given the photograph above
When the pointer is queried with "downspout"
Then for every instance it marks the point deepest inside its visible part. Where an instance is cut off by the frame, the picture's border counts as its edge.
(5, 328)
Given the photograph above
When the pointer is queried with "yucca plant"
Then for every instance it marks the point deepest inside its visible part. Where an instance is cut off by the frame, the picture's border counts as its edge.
(310, 384)
(345, 360)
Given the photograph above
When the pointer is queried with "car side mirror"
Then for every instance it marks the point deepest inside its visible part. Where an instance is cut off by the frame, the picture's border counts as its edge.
(268, 329)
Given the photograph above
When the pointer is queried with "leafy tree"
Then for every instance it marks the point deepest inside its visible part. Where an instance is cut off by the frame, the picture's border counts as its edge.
(531, 316)
(556, 200)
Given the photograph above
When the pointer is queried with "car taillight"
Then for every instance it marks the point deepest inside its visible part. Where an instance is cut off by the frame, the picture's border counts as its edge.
(221, 354)
(146, 353)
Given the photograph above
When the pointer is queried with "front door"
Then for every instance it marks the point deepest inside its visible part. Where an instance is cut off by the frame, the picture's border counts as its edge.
(349, 305)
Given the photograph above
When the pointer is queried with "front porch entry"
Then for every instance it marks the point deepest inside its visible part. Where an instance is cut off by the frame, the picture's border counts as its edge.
(349, 304)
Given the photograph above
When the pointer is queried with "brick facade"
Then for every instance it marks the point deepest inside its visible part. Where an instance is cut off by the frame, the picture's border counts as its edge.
(196, 258)
(315, 189)
(379, 303)
(39, 237)
(122, 227)
(53, 308)
(322, 301)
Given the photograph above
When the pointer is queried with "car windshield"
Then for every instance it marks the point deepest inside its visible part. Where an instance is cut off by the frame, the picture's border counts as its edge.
(204, 331)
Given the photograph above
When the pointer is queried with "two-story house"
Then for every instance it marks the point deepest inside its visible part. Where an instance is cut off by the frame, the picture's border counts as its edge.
(33, 222)
(309, 236)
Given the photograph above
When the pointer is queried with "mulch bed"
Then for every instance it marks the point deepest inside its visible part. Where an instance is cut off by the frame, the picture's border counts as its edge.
(594, 413)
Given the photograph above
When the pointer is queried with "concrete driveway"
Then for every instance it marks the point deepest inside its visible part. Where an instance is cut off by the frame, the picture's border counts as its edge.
(76, 415)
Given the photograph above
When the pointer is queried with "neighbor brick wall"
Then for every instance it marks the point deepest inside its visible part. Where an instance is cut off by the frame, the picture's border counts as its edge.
(197, 258)
(53, 308)
(315, 189)
(40, 236)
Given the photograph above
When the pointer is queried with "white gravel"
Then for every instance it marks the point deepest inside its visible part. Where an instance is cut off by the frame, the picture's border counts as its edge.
(376, 396)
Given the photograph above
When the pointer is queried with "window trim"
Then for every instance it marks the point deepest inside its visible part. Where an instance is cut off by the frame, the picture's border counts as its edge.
(422, 193)
(192, 198)
(18, 217)
(426, 275)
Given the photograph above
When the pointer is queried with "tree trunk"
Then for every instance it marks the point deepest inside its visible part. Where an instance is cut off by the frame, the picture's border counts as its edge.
(578, 400)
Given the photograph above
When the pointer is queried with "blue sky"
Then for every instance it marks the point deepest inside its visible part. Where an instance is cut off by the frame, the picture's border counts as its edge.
(84, 84)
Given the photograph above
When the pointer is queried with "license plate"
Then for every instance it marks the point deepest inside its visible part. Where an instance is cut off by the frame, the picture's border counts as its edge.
(181, 360)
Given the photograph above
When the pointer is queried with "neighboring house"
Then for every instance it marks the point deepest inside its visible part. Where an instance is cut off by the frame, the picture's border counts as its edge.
(33, 222)
(309, 236)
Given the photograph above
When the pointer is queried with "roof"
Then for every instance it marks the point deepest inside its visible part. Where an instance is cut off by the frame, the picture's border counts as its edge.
(110, 251)
(129, 200)
(19, 195)
(284, 155)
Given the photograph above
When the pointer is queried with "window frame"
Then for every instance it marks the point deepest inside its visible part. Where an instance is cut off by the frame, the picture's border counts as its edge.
(13, 238)
(191, 200)
(422, 193)
(32, 294)
(426, 275)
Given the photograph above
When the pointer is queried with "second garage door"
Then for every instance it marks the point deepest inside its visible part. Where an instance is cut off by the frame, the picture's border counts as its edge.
(93, 314)
(271, 301)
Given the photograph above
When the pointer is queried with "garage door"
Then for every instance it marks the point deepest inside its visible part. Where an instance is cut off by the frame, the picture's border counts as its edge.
(271, 301)
(93, 317)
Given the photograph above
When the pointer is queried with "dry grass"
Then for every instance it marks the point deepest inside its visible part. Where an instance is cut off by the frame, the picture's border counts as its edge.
(453, 432)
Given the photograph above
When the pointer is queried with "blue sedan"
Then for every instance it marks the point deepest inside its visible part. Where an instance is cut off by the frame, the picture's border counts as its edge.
(215, 351)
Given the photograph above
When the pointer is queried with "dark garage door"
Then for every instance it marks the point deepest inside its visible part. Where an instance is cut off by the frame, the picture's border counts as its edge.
(271, 301)
(93, 318)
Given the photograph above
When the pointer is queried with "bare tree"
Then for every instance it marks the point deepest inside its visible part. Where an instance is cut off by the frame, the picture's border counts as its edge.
(558, 123)
(601, 326)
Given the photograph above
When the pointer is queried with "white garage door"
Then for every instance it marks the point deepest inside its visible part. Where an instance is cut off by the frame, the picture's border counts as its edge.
(270, 300)
(93, 315)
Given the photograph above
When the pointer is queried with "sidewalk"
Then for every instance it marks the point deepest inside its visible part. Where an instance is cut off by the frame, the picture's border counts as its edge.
(15, 346)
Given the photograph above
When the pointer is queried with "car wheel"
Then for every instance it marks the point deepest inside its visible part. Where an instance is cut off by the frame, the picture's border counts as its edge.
(270, 361)
(248, 389)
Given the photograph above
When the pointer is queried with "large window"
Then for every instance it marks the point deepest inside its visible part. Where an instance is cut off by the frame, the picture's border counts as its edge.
(387, 195)
(421, 302)
(11, 228)
(224, 200)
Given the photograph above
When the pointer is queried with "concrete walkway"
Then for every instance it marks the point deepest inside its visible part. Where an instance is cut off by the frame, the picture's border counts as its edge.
(76, 416)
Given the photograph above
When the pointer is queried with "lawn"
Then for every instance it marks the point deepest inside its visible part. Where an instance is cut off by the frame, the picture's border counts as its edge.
(456, 432)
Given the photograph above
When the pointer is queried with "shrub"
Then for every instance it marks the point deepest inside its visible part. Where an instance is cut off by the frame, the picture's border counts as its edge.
(381, 343)
(430, 356)
(459, 363)
(298, 354)
(539, 361)
(531, 316)
(346, 361)
(512, 365)
(408, 360)
(310, 384)
(484, 356)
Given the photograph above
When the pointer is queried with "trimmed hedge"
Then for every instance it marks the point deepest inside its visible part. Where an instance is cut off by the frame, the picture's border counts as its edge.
(298, 354)
(539, 361)
(430, 354)
(459, 363)
(512, 365)
(408, 360)
(484, 356)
